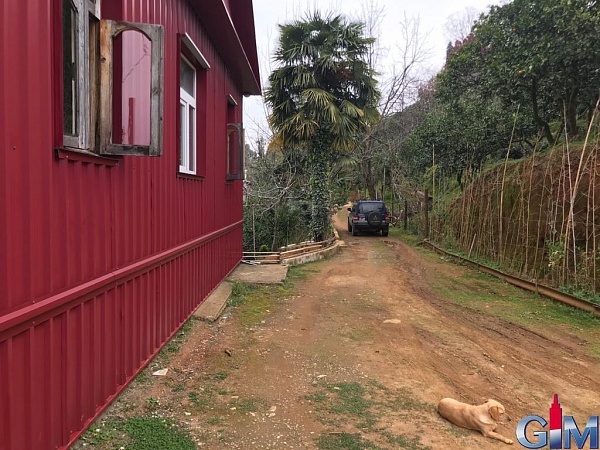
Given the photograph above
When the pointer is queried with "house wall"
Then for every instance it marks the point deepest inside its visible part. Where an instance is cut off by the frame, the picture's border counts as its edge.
(99, 263)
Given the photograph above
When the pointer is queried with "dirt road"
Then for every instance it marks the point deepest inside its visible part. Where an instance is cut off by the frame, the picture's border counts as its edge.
(356, 352)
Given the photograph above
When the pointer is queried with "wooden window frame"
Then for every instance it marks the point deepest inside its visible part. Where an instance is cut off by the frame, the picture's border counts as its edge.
(86, 10)
(235, 170)
(238, 171)
(155, 33)
(92, 81)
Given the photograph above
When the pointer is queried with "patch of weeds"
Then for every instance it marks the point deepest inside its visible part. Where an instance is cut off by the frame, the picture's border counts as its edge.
(201, 401)
(350, 399)
(344, 441)
(253, 302)
(248, 405)
(151, 433)
(172, 347)
(143, 377)
(402, 400)
(187, 326)
(152, 404)
(529, 310)
(223, 436)
(239, 292)
(125, 407)
(256, 308)
(576, 318)
(317, 397)
(222, 392)
(360, 335)
(481, 276)
(214, 421)
(405, 236)
(209, 377)
(221, 375)
(511, 303)
(136, 433)
(342, 403)
(344, 399)
(380, 247)
(178, 387)
(376, 384)
(405, 442)
(303, 271)
(101, 434)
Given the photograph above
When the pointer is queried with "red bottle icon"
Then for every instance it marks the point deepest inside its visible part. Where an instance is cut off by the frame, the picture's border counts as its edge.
(556, 424)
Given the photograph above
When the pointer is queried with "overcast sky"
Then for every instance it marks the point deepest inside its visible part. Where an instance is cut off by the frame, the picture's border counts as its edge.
(432, 15)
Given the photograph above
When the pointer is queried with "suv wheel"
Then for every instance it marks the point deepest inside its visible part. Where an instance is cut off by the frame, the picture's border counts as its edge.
(349, 226)
(354, 231)
(385, 232)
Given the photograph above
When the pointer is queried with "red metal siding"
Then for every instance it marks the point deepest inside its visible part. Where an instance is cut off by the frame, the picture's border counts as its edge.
(99, 264)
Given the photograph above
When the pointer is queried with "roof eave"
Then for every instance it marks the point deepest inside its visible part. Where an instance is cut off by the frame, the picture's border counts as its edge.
(241, 60)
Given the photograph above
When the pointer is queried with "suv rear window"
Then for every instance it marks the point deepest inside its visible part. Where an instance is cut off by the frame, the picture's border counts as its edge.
(366, 208)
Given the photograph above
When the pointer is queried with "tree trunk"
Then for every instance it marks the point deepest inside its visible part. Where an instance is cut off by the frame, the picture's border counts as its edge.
(318, 160)
(571, 115)
(544, 127)
(369, 180)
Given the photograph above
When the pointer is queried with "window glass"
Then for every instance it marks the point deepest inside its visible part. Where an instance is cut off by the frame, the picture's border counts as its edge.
(132, 75)
(188, 78)
(70, 68)
(192, 139)
(368, 207)
(233, 138)
(182, 135)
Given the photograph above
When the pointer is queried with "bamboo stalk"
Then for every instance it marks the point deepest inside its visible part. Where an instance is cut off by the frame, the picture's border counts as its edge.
(594, 239)
(525, 269)
(543, 198)
(472, 244)
(500, 230)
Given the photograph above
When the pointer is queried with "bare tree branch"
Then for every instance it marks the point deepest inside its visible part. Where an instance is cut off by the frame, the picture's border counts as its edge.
(458, 25)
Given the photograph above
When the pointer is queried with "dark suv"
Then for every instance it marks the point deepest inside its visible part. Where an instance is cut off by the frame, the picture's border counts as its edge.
(368, 215)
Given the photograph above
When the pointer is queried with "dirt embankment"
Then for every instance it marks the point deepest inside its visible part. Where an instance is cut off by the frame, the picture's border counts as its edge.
(550, 227)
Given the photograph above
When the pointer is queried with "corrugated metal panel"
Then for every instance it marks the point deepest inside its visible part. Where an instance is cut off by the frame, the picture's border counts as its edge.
(99, 264)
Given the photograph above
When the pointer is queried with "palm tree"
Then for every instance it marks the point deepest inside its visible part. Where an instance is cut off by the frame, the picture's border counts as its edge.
(323, 95)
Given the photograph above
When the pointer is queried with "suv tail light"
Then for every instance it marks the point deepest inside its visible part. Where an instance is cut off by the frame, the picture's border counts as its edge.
(356, 217)
(386, 217)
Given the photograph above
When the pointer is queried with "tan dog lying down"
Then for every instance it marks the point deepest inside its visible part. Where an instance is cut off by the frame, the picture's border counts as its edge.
(484, 418)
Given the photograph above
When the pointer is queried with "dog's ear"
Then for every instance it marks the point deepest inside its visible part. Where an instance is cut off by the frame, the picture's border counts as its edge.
(495, 413)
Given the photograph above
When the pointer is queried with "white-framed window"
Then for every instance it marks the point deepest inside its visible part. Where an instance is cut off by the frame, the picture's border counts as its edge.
(112, 83)
(193, 69)
(187, 115)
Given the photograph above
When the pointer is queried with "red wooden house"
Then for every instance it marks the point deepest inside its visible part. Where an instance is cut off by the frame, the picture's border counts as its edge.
(120, 193)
